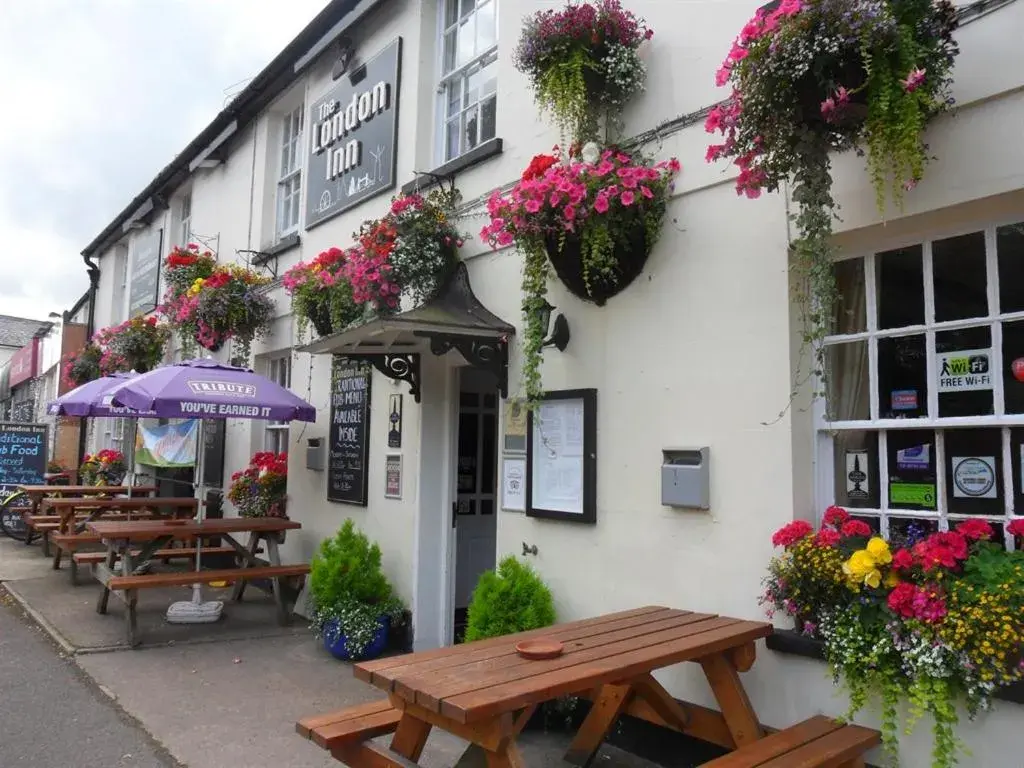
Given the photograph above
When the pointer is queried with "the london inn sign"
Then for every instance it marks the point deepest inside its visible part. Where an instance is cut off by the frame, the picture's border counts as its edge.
(353, 137)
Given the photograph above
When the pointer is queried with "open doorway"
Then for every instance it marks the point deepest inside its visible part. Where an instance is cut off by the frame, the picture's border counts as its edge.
(475, 507)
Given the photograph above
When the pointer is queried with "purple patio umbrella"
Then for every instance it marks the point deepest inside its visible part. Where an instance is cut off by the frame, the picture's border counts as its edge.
(206, 389)
(93, 399)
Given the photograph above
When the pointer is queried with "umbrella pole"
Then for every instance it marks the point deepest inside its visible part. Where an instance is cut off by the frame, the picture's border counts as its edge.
(195, 611)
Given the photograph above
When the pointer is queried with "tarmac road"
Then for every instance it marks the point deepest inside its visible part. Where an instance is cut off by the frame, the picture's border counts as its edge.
(53, 716)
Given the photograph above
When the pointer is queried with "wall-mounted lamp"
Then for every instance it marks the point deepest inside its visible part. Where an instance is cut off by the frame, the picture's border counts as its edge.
(559, 338)
(346, 51)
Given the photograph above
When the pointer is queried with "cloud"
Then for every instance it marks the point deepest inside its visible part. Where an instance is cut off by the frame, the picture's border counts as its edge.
(98, 96)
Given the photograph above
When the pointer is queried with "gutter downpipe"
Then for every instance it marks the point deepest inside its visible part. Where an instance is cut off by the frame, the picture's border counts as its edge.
(94, 284)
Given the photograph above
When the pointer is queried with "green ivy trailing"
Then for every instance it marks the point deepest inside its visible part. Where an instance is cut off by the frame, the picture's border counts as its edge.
(535, 287)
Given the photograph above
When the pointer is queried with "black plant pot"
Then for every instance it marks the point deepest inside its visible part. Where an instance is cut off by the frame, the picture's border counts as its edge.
(848, 71)
(320, 318)
(630, 257)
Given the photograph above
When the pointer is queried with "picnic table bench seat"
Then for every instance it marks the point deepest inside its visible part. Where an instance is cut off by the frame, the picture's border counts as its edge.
(187, 578)
(171, 553)
(818, 742)
(350, 725)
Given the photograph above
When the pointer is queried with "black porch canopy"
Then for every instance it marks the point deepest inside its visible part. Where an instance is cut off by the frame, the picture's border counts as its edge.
(454, 319)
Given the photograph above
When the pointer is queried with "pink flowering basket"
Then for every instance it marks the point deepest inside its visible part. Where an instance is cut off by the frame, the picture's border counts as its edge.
(630, 255)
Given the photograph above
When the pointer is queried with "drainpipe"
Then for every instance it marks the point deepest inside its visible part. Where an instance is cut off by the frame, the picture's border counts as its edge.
(94, 284)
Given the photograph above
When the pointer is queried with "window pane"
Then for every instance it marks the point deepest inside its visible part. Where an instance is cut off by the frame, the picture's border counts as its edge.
(974, 477)
(472, 123)
(467, 40)
(911, 457)
(850, 314)
(963, 361)
(958, 269)
(489, 458)
(1010, 251)
(902, 377)
(1017, 462)
(449, 51)
(488, 119)
(454, 98)
(451, 12)
(856, 470)
(486, 34)
(1013, 351)
(451, 139)
(848, 385)
(900, 285)
(907, 531)
(467, 6)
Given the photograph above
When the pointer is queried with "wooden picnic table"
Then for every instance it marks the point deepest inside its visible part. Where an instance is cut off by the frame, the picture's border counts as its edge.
(485, 692)
(36, 493)
(122, 540)
(67, 508)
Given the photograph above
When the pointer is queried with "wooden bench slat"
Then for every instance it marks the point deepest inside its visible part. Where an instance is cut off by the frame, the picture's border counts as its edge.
(359, 729)
(778, 743)
(98, 557)
(186, 578)
(307, 724)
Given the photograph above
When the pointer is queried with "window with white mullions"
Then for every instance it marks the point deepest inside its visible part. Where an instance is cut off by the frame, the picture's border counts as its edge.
(923, 423)
(279, 370)
(469, 75)
(290, 177)
(185, 219)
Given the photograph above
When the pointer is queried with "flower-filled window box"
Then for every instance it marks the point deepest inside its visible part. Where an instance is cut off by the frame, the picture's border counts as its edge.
(813, 76)
(938, 621)
(593, 217)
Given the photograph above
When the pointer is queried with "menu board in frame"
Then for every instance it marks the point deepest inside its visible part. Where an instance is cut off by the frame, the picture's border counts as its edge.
(561, 466)
(349, 450)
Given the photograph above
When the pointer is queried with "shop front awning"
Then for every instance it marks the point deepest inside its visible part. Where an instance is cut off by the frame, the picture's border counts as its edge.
(453, 321)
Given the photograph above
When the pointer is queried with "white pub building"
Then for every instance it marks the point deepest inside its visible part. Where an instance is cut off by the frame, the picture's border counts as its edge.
(691, 366)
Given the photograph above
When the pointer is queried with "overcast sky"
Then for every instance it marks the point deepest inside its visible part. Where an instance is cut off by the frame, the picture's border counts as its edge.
(97, 96)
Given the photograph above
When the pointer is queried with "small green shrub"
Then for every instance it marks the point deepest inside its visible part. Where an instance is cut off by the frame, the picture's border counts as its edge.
(347, 585)
(511, 599)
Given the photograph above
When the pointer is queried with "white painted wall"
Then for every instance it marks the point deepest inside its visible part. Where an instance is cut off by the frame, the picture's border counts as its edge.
(698, 351)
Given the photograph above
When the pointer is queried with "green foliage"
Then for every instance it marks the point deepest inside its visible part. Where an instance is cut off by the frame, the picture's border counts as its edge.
(347, 585)
(511, 599)
(562, 91)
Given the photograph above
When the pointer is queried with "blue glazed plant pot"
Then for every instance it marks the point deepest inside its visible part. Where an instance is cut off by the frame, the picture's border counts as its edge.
(334, 641)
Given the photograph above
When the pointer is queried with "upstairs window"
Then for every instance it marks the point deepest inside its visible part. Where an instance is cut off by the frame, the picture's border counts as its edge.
(289, 182)
(468, 88)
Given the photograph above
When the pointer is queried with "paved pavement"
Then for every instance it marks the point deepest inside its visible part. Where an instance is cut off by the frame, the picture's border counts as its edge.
(53, 715)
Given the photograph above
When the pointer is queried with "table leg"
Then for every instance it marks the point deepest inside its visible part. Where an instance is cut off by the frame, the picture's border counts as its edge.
(509, 757)
(246, 558)
(131, 597)
(275, 559)
(732, 698)
(610, 703)
(410, 737)
(104, 598)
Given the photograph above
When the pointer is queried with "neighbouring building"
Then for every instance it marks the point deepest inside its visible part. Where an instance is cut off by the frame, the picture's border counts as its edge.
(17, 340)
(693, 363)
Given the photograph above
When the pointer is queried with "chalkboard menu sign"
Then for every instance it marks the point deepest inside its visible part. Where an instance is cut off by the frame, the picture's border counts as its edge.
(349, 453)
(22, 455)
(214, 435)
(145, 277)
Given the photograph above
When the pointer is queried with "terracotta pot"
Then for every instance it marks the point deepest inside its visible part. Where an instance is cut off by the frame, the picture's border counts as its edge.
(630, 257)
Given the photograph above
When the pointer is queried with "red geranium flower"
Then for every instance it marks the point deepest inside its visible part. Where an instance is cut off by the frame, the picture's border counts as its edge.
(1015, 528)
(975, 530)
(902, 560)
(855, 528)
(836, 516)
(538, 165)
(827, 537)
(944, 550)
(791, 533)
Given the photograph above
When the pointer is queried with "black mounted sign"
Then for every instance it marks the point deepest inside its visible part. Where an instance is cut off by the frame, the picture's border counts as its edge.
(349, 451)
(353, 137)
(22, 455)
(143, 292)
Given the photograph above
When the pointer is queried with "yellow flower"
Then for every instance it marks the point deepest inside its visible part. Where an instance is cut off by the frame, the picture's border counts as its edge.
(892, 579)
(879, 550)
(862, 568)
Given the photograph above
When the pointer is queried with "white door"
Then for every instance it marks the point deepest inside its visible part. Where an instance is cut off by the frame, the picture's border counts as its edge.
(475, 509)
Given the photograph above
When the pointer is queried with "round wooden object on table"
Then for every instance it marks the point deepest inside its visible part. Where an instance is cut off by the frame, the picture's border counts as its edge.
(540, 648)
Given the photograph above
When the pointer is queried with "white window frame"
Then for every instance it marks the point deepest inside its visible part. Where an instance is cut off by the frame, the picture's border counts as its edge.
(276, 433)
(185, 218)
(289, 172)
(825, 475)
(457, 78)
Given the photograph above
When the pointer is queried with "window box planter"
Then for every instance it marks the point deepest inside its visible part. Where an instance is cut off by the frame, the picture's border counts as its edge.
(791, 642)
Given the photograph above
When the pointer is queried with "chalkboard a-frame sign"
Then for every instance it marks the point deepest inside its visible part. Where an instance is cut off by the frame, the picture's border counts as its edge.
(349, 451)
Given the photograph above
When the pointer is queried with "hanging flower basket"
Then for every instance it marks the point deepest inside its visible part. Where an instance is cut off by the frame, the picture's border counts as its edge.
(134, 345)
(583, 63)
(409, 252)
(260, 489)
(811, 77)
(321, 293)
(629, 254)
(83, 367)
(593, 216)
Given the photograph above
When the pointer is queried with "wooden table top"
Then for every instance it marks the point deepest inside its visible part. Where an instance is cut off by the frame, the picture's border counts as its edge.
(474, 681)
(85, 490)
(122, 502)
(145, 530)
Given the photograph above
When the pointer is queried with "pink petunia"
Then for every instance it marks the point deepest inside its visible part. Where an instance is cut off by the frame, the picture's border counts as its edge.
(627, 197)
(601, 203)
